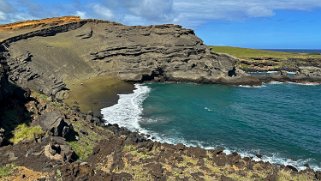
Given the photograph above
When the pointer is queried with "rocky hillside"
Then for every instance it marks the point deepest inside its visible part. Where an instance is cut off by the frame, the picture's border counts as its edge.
(47, 59)
(42, 138)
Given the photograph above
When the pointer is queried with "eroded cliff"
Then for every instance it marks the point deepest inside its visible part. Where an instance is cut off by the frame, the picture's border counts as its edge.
(48, 59)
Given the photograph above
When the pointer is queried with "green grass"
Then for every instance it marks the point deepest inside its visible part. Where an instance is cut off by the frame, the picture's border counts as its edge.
(85, 145)
(139, 155)
(264, 60)
(7, 170)
(24, 132)
(247, 53)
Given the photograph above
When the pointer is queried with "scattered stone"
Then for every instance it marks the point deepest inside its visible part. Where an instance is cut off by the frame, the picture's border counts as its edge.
(122, 176)
(58, 150)
(225, 178)
(318, 175)
(220, 161)
(180, 146)
(272, 177)
(156, 170)
(292, 168)
(83, 132)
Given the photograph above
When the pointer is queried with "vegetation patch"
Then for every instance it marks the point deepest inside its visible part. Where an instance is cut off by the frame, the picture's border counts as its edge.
(139, 172)
(24, 132)
(138, 155)
(86, 143)
(7, 170)
(247, 53)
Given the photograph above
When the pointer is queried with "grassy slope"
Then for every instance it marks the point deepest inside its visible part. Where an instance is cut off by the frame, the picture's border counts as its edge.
(247, 53)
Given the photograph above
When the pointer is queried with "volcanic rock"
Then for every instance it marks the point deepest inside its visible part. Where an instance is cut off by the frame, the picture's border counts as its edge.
(55, 124)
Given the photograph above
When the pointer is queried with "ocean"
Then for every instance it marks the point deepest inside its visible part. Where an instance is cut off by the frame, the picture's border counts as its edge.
(277, 122)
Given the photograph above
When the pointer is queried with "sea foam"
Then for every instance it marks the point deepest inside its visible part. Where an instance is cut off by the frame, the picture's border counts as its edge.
(128, 113)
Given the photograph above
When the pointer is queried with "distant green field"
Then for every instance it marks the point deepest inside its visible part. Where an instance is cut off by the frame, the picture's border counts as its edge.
(264, 60)
(246, 53)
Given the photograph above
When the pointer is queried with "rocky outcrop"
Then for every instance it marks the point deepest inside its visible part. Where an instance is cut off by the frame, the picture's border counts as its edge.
(1, 135)
(59, 150)
(310, 71)
(54, 123)
(27, 77)
(165, 52)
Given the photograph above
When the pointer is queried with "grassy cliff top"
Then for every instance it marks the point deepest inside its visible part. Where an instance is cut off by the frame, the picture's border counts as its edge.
(247, 53)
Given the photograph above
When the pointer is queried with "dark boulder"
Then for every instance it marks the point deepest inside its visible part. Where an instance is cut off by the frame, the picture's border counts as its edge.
(55, 124)
(59, 150)
(1, 135)
(292, 168)
(26, 57)
(156, 170)
(318, 175)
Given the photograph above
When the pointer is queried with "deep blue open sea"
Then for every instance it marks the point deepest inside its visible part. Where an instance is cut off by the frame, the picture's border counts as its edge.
(281, 121)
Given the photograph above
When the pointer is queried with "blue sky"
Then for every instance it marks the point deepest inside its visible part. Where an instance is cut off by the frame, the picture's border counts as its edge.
(244, 23)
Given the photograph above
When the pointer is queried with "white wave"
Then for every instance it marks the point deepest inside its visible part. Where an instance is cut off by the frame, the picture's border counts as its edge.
(128, 113)
(272, 72)
(291, 73)
(251, 86)
(296, 83)
(208, 109)
(305, 83)
(275, 159)
(275, 82)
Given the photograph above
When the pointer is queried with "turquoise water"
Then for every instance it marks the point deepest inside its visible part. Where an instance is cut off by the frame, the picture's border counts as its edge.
(282, 122)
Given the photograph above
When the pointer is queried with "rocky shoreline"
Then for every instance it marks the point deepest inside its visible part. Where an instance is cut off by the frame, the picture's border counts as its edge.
(43, 138)
(120, 154)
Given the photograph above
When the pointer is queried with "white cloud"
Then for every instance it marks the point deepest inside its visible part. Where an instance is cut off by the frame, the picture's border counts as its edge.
(193, 13)
(197, 12)
(259, 11)
(153, 9)
(2, 16)
(4, 6)
(82, 14)
(103, 11)
(189, 13)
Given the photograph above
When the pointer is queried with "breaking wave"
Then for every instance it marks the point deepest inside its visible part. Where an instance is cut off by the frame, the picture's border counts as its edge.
(128, 113)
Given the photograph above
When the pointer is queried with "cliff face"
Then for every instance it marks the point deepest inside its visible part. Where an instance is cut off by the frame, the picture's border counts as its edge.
(165, 52)
(3, 80)
(45, 59)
